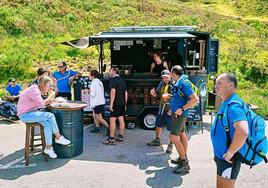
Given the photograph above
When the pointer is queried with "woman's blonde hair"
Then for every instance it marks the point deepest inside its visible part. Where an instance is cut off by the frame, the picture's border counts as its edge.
(44, 80)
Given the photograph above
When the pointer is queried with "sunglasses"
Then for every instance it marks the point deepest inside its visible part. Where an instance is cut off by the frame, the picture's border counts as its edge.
(60, 66)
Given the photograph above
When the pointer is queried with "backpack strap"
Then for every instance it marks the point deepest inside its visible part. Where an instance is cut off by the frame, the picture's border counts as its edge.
(227, 124)
(181, 89)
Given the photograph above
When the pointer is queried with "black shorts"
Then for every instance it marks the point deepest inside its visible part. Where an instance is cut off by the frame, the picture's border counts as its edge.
(119, 110)
(98, 109)
(227, 170)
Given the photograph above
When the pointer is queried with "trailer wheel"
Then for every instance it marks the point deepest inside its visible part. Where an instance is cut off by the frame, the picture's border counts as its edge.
(148, 119)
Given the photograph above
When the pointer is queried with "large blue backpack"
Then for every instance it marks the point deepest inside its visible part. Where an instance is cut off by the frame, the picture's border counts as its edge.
(255, 148)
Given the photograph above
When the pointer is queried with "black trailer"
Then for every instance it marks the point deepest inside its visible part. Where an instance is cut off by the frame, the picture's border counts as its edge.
(195, 51)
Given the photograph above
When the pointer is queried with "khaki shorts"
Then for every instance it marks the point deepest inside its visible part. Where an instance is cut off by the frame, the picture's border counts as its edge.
(177, 124)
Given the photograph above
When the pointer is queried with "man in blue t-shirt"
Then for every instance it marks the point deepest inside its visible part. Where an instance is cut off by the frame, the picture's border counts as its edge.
(228, 167)
(13, 90)
(63, 77)
(183, 98)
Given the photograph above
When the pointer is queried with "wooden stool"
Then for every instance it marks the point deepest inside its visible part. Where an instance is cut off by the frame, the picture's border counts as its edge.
(30, 139)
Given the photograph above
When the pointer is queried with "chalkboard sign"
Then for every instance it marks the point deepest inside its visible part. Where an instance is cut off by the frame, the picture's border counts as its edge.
(195, 113)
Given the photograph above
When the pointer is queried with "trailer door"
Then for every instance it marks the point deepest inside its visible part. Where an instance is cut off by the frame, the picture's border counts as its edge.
(213, 56)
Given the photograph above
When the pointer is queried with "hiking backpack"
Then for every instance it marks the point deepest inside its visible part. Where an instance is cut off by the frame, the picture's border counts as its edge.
(195, 89)
(8, 110)
(255, 148)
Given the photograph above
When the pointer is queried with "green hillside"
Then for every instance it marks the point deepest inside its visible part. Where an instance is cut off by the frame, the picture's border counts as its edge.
(31, 32)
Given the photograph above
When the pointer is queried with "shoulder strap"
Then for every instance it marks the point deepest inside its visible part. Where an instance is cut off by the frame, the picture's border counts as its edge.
(227, 126)
(181, 89)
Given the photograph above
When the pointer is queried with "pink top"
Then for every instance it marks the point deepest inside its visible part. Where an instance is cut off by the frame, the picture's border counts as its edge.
(30, 100)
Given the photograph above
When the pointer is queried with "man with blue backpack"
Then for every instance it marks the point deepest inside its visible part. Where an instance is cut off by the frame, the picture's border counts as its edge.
(183, 98)
(237, 134)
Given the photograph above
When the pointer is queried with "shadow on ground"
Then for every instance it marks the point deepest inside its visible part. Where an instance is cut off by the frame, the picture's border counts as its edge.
(152, 160)
(12, 166)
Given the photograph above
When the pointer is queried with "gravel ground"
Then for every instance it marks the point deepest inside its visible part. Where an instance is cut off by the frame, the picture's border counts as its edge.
(129, 164)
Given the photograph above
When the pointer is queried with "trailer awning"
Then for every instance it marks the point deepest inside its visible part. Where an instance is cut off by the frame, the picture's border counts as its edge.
(141, 35)
(81, 43)
(86, 42)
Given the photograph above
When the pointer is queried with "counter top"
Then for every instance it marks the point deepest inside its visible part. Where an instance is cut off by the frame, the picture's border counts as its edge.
(69, 105)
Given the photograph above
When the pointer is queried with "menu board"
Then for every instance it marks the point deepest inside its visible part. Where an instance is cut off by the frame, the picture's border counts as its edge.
(195, 113)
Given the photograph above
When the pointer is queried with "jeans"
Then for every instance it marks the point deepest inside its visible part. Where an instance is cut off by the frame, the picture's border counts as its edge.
(46, 119)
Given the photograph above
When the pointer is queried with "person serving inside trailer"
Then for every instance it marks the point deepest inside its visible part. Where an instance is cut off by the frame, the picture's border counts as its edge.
(158, 65)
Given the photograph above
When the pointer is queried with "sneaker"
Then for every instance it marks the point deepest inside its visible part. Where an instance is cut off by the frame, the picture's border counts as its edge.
(50, 152)
(183, 168)
(62, 140)
(109, 141)
(178, 160)
(96, 130)
(169, 148)
(155, 142)
(120, 138)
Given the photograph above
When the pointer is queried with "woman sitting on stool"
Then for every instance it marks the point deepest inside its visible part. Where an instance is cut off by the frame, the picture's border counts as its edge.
(29, 103)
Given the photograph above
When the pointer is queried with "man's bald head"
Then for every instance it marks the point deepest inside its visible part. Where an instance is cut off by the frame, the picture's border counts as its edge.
(229, 77)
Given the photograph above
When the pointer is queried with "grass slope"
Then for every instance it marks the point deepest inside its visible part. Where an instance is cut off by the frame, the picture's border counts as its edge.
(31, 32)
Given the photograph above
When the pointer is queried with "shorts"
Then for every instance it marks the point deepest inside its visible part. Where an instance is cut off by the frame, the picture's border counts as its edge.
(227, 170)
(98, 109)
(119, 110)
(162, 120)
(177, 124)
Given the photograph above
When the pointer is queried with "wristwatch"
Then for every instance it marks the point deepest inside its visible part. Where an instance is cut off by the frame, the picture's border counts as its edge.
(182, 109)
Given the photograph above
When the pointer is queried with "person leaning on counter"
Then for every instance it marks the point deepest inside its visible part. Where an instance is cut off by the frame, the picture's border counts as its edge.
(158, 65)
(29, 105)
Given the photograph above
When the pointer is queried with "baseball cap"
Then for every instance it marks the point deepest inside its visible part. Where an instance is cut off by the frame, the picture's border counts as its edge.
(12, 80)
(165, 73)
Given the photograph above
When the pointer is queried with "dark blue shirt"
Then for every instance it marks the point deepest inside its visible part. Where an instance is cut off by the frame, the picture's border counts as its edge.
(177, 101)
(13, 91)
(63, 80)
(218, 133)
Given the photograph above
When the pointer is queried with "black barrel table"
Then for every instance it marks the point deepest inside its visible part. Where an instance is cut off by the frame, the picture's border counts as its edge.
(69, 117)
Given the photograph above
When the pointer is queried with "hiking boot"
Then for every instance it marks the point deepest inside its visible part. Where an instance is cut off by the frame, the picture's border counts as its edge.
(178, 161)
(169, 148)
(182, 168)
(120, 138)
(96, 130)
(109, 141)
(155, 142)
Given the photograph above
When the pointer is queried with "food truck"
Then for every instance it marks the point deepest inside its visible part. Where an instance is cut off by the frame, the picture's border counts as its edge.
(130, 49)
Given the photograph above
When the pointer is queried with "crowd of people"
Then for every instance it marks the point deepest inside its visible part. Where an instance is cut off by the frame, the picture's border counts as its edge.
(176, 97)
